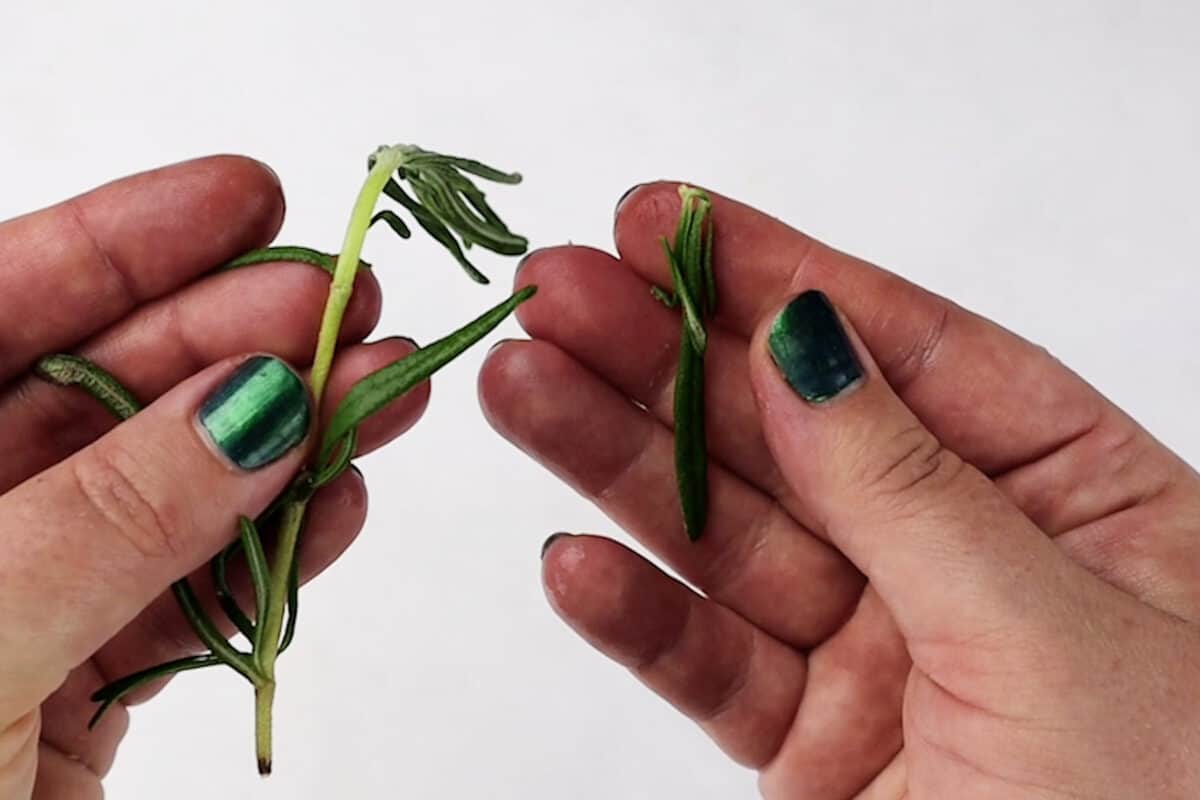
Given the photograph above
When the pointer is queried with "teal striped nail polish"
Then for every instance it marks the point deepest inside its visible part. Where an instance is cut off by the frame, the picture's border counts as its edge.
(811, 349)
(259, 414)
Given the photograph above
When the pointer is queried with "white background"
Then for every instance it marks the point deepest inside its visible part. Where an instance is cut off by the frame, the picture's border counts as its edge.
(1037, 162)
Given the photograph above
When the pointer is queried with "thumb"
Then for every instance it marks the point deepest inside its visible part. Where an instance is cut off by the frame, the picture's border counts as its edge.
(952, 558)
(87, 544)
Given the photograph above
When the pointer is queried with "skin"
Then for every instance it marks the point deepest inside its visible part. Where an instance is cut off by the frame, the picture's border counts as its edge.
(122, 275)
(968, 576)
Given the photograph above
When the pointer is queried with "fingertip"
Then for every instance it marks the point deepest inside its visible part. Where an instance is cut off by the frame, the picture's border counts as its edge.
(647, 211)
(611, 596)
(507, 374)
(573, 572)
(398, 416)
(365, 308)
(258, 188)
(569, 279)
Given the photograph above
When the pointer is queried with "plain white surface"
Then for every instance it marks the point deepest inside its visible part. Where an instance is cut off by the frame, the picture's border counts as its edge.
(1037, 162)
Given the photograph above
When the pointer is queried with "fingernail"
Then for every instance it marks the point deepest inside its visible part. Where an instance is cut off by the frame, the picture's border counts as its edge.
(525, 260)
(500, 344)
(553, 538)
(624, 197)
(272, 172)
(811, 349)
(409, 340)
(259, 414)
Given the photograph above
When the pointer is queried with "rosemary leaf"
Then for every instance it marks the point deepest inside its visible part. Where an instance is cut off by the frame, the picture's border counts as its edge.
(434, 227)
(226, 599)
(690, 261)
(260, 572)
(293, 607)
(66, 370)
(683, 294)
(288, 253)
(393, 221)
(339, 461)
(114, 691)
(383, 386)
(471, 166)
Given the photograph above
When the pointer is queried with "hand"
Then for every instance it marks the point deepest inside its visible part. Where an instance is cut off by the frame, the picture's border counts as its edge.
(964, 575)
(94, 525)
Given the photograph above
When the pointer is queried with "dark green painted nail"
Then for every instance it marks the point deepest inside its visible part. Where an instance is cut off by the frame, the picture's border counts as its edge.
(811, 349)
(554, 537)
(259, 414)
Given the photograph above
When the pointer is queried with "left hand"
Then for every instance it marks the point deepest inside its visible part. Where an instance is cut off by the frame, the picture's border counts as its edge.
(95, 523)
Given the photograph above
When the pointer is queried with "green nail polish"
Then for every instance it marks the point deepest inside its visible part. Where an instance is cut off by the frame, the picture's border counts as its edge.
(811, 349)
(259, 414)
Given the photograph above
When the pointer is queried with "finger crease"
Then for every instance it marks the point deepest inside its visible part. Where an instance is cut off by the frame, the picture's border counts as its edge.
(640, 452)
(73, 758)
(666, 646)
(737, 684)
(123, 278)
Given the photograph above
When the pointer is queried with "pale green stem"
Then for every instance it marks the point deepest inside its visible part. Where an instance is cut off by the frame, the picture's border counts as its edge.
(387, 161)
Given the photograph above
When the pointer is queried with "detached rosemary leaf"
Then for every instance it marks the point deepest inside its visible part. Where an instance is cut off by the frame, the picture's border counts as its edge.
(683, 293)
(690, 261)
(66, 370)
(691, 448)
(383, 386)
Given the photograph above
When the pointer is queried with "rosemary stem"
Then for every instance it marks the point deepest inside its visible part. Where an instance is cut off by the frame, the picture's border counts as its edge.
(264, 698)
(387, 161)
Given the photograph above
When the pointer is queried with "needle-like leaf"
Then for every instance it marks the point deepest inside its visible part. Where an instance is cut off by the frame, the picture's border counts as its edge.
(114, 691)
(226, 599)
(690, 262)
(393, 221)
(445, 202)
(434, 227)
(691, 313)
(338, 462)
(67, 370)
(288, 253)
(383, 386)
(256, 562)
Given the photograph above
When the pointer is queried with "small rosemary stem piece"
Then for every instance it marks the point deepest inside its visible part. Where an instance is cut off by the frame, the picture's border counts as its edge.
(264, 698)
(386, 162)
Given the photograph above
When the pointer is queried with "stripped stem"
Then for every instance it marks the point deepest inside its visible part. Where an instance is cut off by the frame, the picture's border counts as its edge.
(386, 161)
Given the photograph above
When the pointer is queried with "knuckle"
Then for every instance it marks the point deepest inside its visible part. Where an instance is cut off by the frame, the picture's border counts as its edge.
(911, 467)
(119, 491)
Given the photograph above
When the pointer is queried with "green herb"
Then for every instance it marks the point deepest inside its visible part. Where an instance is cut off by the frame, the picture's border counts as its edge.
(690, 262)
(451, 208)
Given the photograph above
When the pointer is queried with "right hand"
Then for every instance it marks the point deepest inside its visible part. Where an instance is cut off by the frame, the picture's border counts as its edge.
(966, 576)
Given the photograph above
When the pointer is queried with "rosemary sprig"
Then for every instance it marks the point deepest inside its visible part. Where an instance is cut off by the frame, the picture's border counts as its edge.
(450, 207)
(694, 289)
